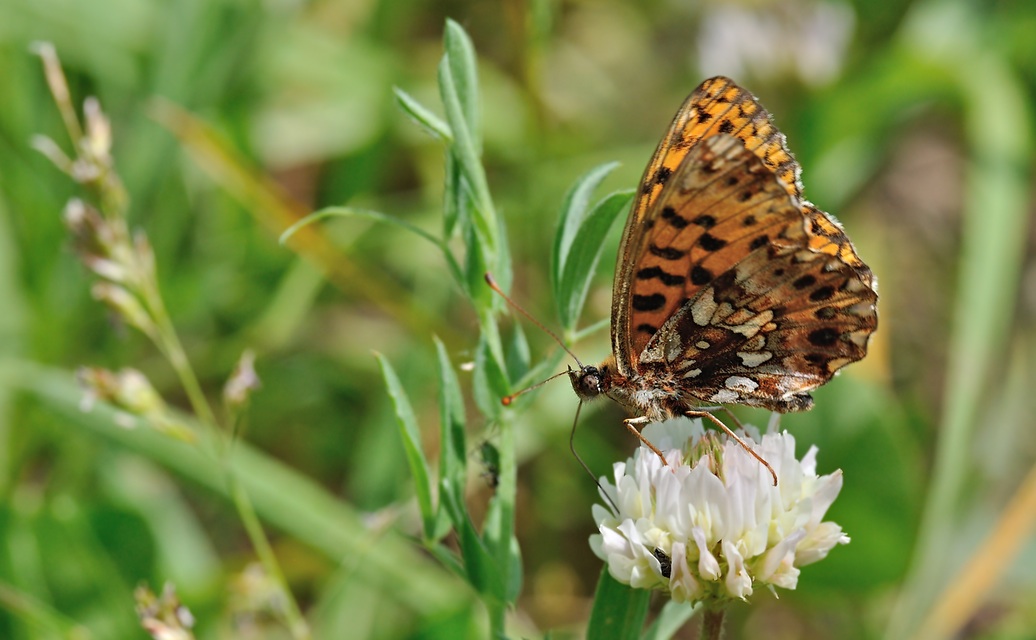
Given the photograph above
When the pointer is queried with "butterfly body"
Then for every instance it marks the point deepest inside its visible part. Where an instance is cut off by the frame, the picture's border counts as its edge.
(731, 288)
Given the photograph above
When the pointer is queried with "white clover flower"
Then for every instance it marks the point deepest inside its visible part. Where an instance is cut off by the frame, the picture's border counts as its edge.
(711, 525)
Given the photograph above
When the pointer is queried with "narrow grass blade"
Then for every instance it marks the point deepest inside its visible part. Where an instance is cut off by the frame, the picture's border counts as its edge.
(411, 435)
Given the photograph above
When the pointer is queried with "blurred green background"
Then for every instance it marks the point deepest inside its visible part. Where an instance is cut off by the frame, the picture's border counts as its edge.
(913, 123)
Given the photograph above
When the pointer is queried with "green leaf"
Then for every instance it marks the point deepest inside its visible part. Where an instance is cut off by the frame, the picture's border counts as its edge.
(428, 121)
(519, 357)
(489, 381)
(460, 53)
(498, 535)
(479, 566)
(454, 198)
(584, 254)
(458, 86)
(411, 435)
(573, 211)
(351, 212)
(453, 454)
(619, 610)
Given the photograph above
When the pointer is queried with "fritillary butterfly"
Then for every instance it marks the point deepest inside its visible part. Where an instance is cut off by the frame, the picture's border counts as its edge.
(731, 288)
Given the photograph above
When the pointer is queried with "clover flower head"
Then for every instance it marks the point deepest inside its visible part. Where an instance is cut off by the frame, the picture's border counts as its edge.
(710, 525)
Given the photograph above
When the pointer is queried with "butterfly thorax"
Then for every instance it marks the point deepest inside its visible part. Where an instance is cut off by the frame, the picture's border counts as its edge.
(655, 394)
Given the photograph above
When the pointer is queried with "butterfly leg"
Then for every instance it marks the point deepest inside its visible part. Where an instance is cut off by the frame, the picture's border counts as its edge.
(643, 420)
(730, 414)
(744, 445)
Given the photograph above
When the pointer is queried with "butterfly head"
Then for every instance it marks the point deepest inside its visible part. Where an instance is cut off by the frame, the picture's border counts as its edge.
(589, 381)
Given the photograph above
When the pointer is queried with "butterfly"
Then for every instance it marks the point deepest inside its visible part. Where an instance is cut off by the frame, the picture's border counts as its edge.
(731, 288)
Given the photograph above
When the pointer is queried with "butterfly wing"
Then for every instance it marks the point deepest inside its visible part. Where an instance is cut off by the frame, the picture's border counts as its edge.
(717, 106)
(775, 300)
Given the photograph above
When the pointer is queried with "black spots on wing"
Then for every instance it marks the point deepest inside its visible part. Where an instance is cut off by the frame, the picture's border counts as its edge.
(815, 358)
(726, 126)
(731, 181)
(649, 329)
(673, 218)
(704, 116)
(669, 279)
(666, 253)
(804, 282)
(761, 241)
(749, 221)
(825, 313)
(700, 275)
(778, 272)
(823, 293)
(823, 337)
(705, 221)
(662, 175)
(710, 242)
(653, 302)
(745, 196)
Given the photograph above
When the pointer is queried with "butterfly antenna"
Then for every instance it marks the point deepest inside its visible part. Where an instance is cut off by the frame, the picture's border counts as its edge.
(495, 287)
(507, 400)
(572, 448)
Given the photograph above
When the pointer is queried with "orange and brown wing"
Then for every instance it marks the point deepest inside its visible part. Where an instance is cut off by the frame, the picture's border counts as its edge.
(717, 107)
(776, 299)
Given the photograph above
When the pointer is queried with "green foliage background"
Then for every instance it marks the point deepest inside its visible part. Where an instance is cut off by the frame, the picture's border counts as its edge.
(921, 143)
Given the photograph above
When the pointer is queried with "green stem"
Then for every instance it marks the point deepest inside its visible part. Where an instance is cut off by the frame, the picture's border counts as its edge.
(296, 622)
(712, 623)
(169, 343)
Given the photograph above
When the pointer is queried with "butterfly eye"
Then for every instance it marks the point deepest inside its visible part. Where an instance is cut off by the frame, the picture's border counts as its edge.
(588, 382)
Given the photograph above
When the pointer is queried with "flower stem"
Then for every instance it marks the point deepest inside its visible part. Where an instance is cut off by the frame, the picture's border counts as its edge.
(712, 623)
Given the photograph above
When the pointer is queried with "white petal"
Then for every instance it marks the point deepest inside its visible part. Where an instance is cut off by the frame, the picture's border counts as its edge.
(708, 566)
(738, 582)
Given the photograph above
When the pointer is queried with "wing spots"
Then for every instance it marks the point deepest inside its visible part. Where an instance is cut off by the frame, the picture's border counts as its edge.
(666, 253)
(753, 325)
(745, 196)
(691, 373)
(753, 359)
(704, 116)
(749, 221)
(823, 293)
(705, 221)
(724, 396)
(656, 272)
(804, 282)
(823, 337)
(710, 242)
(759, 242)
(726, 126)
(674, 218)
(731, 181)
(741, 383)
(704, 307)
(649, 329)
(700, 275)
(701, 344)
(825, 313)
(653, 302)
(662, 175)
(815, 358)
